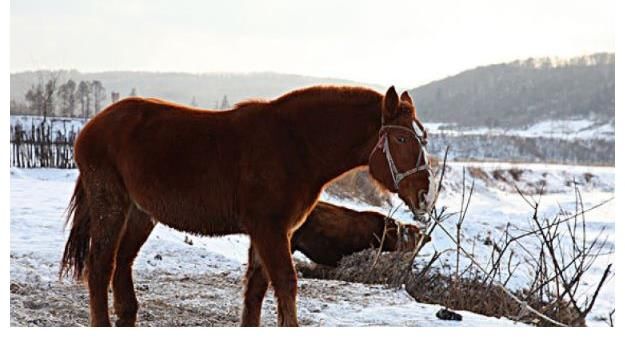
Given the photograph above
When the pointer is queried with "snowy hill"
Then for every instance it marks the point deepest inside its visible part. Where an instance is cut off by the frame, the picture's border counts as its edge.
(583, 140)
(522, 92)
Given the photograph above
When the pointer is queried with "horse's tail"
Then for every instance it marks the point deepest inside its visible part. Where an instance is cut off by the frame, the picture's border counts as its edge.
(77, 246)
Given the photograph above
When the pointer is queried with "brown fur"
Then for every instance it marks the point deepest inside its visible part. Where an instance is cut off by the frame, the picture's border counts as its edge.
(256, 169)
(399, 111)
(332, 232)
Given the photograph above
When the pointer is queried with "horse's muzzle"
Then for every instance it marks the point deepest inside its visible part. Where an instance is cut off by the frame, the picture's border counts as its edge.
(421, 216)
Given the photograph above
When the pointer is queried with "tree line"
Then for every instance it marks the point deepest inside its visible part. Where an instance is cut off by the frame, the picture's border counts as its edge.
(70, 99)
(84, 99)
(522, 92)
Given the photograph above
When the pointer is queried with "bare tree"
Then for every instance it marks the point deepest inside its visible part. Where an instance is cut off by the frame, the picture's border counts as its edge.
(66, 94)
(224, 103)
(18, 107)
(40, 96)
(99, 95)
(114, 97)
(48, 94)
(35, 99)
(82, 95)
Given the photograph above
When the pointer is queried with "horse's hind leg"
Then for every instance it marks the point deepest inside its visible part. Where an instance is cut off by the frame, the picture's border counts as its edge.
(108, 206)
(138, 227)
(256, 284)
(274, 250)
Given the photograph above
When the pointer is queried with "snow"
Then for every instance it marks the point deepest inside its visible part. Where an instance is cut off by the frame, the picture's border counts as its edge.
(495, 202)
(586, 128)
(398, 307)
(40, 196)
(63, 125)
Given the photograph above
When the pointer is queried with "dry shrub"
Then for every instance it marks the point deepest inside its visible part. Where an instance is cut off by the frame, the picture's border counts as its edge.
(516, 173)
(479, 173)
(435, 161)
(359, 267)
(500, 175)
(551, 298)
(431, 286)
(358, 185)
(472, 293)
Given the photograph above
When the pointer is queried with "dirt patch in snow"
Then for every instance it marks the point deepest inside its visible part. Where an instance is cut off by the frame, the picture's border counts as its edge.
(165, 299)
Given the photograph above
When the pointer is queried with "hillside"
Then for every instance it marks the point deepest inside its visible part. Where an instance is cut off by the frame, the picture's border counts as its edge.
(522, 92)
(207, 89)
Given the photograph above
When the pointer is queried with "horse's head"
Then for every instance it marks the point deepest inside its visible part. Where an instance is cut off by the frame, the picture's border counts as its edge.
(411, 235)
(405, 237)
(399, 161)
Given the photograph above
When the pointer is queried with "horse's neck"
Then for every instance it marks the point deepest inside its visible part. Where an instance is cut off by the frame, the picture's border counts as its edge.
(341, 139)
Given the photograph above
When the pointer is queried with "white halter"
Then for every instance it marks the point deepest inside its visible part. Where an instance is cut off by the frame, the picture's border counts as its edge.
(399, 176)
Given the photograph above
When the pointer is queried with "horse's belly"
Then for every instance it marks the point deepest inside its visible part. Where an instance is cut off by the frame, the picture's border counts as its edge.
(190, 214)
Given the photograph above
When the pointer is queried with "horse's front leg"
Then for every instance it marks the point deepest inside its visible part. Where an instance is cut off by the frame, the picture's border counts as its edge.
(273, 248)
(256, 284)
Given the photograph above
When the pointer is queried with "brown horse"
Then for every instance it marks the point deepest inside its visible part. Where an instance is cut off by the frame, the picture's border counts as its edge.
(331, 232)
(256, 169)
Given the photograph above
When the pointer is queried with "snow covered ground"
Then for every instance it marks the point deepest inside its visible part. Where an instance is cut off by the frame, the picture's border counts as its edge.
(588, 127)
(187, 280)
(63, 125)
(580, 128)
(495, 203)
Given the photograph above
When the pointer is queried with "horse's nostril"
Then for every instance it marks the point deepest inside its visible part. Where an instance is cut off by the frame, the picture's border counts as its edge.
(422, 195)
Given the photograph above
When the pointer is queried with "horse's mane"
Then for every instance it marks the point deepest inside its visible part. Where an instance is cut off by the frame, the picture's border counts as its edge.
(250, 102)
(349, 94)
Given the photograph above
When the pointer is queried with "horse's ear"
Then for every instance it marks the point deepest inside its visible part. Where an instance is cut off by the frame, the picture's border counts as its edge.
(390, 103)
(406, 97)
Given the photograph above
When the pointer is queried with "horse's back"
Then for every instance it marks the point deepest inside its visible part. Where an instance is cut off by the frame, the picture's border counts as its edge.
(134, 129)
(331, 232)
(342, 223)
(173, 161)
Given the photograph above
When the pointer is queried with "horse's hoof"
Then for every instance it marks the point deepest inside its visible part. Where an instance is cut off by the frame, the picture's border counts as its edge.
(124, 323)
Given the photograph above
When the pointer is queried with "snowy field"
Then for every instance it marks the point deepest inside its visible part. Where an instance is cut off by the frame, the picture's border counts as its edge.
(582, 128)
(569, 129)
(63, 125)
(187, 280)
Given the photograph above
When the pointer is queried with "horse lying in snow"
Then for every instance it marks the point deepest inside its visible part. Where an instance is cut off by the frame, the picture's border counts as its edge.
(331, 232)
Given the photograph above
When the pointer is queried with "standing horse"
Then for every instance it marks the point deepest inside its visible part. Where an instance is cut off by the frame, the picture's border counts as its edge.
(256, 169)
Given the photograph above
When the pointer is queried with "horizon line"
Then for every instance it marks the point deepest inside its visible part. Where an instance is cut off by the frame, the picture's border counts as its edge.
(346, 80)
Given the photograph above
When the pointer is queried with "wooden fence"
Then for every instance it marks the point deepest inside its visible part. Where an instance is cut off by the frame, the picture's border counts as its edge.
(43, 143)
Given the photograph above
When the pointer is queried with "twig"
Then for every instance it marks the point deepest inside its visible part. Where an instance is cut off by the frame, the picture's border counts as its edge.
(512, 296)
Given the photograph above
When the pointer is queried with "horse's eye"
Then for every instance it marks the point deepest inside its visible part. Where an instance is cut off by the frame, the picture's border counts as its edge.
(401, 139)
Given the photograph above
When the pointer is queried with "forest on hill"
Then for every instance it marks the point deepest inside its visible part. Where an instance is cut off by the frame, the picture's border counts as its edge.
(522, 92)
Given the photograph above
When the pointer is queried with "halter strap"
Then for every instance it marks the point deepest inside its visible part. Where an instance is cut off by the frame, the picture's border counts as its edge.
(395, 174)
(401, 231)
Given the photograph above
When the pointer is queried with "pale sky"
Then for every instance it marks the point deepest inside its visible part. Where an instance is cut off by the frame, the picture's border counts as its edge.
(406, 43)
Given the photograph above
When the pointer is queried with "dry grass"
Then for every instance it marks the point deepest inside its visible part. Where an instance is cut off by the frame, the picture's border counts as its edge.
(429, 285)
(358, 185)
(551, 297)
